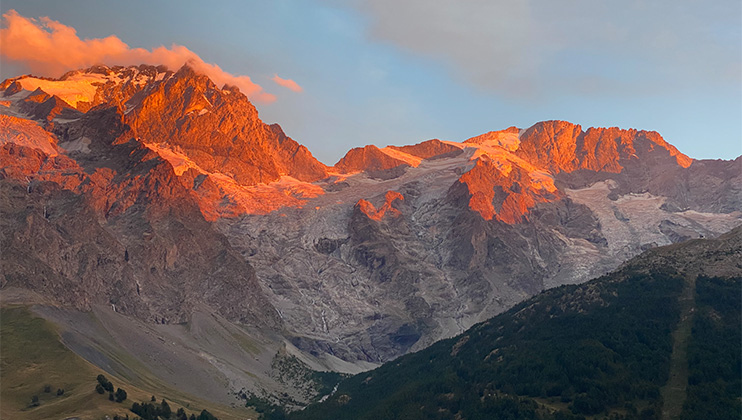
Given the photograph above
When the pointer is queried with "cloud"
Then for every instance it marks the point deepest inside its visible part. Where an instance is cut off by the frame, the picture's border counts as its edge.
(482, 39)
(287, 83)
(49, 48)
(521, 47)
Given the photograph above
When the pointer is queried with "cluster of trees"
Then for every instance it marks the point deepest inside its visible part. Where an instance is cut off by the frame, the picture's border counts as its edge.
(104, 385)
(601, 348)
(153, 411)
(150, 411)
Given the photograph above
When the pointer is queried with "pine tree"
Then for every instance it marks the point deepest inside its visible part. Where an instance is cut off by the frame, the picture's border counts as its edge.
(165, 409)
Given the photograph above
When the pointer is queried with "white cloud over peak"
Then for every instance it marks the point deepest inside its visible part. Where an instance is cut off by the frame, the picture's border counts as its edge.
(50, 48)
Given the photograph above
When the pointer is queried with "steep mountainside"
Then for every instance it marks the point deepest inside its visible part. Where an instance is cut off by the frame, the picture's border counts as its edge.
(108, 222)
(608, 347)
(112, 178)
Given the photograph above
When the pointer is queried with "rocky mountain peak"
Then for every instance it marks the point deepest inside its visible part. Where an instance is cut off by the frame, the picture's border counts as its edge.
(429, 149)
(219, 130)
(560, 146)
(368, 158)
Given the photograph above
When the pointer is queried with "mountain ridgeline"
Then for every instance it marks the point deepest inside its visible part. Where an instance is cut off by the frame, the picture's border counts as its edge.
(603, 348)
(159, 196)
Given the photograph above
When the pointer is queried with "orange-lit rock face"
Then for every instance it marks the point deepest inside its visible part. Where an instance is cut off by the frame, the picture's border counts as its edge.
(377, 214)
(505, 188)
(551, 145)
(219, 195)
(560, 146)
(219, 129)
(504, 197)
(241, 164)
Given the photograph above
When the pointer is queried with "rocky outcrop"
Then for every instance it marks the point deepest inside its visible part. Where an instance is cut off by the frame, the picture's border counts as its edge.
(42, 106)
(377, 214)
(507, 196)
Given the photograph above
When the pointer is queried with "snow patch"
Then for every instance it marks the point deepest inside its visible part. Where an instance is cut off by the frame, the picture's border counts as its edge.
(26, 133)
(80, 145)
(179, 161)
(77, 88)
(507, 140)
(409, 159)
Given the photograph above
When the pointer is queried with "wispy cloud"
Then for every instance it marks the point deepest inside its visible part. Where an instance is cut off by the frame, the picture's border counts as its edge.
(50, 48)
(287, 83)
(518, 47)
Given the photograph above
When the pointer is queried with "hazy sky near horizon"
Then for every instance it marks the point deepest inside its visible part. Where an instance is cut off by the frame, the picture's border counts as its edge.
(341, 74)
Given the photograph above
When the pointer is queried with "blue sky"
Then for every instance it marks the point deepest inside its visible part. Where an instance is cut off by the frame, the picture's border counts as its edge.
(399, 72)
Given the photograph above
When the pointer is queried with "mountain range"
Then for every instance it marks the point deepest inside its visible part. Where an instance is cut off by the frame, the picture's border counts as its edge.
(160, 196)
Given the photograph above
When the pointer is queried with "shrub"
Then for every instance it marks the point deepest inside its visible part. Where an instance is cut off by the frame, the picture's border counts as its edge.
(120, 395)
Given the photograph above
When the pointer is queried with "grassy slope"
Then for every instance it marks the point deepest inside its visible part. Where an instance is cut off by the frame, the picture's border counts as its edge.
(32, 356)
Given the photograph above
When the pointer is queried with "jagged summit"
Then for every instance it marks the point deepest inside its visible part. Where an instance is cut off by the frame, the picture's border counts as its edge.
(201, 129)
(512, 170)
